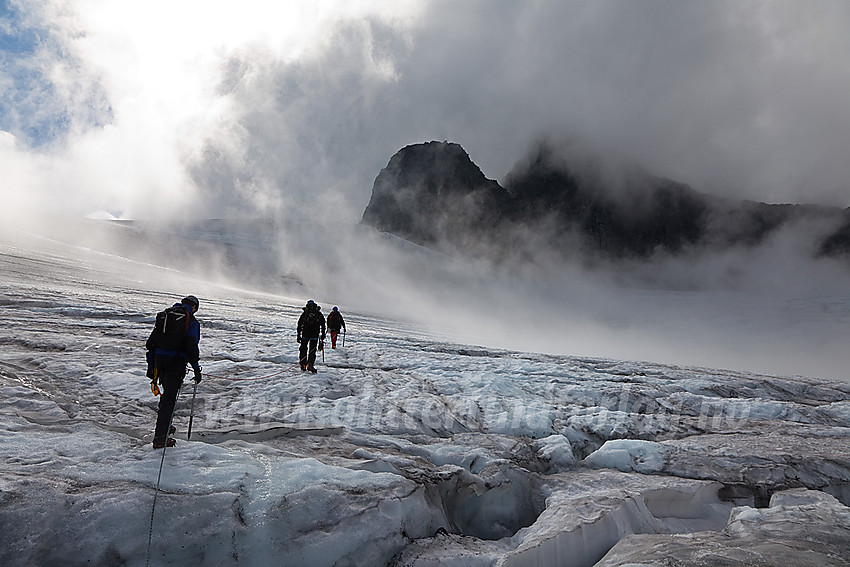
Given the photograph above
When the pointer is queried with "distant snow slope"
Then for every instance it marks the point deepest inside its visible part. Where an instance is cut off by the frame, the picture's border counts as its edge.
(406, 449)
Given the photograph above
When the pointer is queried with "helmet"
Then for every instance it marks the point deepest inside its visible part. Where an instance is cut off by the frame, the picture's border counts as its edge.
(191, 300)
(336, 308)
(311, 302)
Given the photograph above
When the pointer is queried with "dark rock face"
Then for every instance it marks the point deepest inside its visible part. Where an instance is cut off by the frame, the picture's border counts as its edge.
(644, 213)
(434, 195)
(838, 243)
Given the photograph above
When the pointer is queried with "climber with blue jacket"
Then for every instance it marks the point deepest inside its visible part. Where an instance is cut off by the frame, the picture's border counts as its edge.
(172, 344)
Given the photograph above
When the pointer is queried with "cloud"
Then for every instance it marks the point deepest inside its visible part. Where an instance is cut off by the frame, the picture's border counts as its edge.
(736, 98)
(238, 110)
(158, 71)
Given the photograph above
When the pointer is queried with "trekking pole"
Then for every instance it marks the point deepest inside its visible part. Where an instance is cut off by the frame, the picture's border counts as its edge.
(343, 337)
(192, 412)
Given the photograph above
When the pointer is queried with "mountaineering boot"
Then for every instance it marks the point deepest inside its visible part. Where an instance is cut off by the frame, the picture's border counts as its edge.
(172, 430)
(312, 369)
(171, 442)
(303, 367)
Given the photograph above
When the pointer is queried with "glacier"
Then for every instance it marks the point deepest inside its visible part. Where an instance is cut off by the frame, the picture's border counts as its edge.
(408, 448)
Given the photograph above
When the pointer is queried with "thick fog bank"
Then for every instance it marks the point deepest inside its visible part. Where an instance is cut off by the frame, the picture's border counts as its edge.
(740, 310)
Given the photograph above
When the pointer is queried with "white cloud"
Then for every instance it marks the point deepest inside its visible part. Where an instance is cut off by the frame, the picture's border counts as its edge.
(158, 65)
(301, 103)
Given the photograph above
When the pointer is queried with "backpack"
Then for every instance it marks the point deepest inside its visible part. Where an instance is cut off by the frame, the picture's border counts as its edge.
(313, 320)
(334, 319)
(171, 328)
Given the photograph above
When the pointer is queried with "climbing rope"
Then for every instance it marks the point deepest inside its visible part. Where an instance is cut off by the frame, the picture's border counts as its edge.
(158, 478)
(162, 460)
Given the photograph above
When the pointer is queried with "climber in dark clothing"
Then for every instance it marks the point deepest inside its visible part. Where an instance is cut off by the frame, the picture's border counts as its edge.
(311, 332)
(335, 323)
(167, 355)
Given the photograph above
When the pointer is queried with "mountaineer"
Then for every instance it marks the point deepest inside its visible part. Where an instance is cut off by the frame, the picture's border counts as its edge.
(335, 323)
(172, 343)
(310, 335)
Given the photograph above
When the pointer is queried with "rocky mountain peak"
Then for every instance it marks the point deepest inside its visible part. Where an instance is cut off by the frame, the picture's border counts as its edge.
(433, 194)
(572, 203)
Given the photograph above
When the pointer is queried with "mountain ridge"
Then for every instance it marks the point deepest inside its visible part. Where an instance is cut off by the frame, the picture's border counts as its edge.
(432, 194)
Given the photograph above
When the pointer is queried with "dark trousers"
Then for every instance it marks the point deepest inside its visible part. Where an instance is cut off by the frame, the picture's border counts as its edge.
(307, 352)
(171, 371)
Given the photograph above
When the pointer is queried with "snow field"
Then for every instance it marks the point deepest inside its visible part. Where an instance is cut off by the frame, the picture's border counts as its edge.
(405, 449)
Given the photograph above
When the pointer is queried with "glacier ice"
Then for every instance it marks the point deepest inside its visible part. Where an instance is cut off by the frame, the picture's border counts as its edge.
(406, 449)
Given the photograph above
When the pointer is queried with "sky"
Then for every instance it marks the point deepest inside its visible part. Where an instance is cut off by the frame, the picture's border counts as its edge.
(291, 109)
